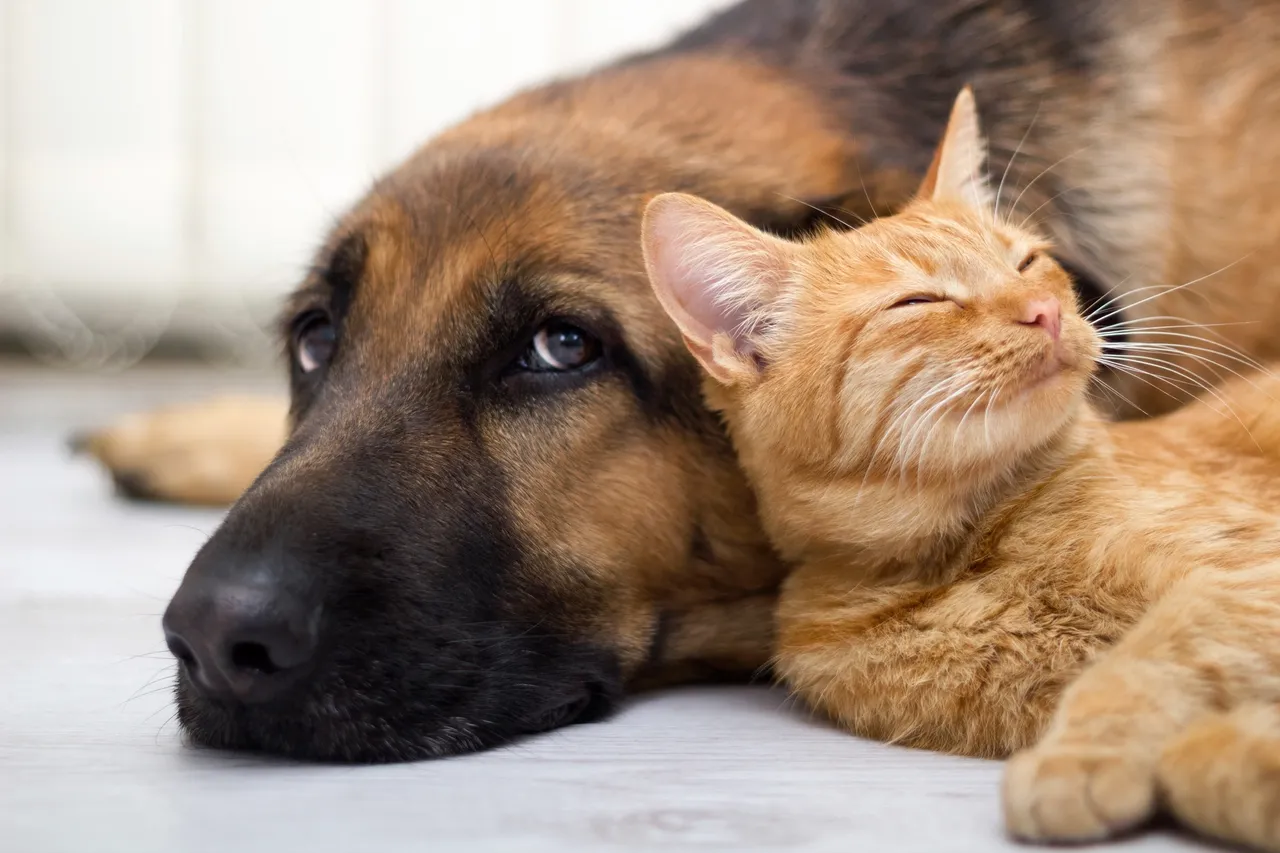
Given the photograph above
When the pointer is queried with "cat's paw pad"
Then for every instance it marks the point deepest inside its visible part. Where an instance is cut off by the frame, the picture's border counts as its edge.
(1066, 794)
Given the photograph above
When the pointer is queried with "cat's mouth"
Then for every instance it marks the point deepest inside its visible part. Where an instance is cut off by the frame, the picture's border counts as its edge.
(1056, 363)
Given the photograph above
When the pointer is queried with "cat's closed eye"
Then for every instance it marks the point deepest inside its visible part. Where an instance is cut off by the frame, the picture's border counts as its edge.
(1030, 259)
(914, 300)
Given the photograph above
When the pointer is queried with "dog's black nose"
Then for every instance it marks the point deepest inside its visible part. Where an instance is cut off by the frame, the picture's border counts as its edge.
(240, 641)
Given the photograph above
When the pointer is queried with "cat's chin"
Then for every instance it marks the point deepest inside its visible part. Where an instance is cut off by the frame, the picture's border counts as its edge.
(1052, 378)
(1047, 403)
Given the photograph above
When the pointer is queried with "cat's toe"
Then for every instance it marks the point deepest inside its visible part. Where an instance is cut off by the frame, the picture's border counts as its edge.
(1076, 794)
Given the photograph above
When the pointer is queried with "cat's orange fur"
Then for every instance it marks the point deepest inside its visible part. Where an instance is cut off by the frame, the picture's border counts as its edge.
(986, 566)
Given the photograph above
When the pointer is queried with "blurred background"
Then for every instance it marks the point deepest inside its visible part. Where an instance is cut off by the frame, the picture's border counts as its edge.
(167, 166)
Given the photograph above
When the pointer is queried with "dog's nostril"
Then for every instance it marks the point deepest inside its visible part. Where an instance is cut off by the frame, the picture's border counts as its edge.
(254, 656)
(180, 650)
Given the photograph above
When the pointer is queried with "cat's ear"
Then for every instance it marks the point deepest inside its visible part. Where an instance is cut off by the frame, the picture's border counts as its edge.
(716, 276)
(959, 168)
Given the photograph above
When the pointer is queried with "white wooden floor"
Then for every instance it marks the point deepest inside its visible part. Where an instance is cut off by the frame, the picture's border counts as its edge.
(91, 761)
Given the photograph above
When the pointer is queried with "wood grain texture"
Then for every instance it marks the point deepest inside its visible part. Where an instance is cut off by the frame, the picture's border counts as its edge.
(90, 761)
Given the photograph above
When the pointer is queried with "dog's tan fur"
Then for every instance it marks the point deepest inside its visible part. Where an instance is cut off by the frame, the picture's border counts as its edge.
(985, 564)
(1156, 171)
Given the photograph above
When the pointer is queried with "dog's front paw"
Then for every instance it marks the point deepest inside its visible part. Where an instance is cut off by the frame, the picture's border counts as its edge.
(1077, 793)
(200, 453)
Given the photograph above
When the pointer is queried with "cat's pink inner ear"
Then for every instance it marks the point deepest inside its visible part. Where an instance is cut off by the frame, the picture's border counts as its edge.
(711, 273)
(959, 168)
(690, 263)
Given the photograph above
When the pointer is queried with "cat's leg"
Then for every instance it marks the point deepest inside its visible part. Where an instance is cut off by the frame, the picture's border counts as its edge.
(204, 453)
(1222, 775)
(955, 669)
(1208, 645)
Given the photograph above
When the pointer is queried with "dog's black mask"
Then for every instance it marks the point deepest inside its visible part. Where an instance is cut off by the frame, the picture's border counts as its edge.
(365, 600)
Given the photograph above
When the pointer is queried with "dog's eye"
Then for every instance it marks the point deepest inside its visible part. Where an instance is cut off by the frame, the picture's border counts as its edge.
(913, 300)
(560, 346)
(314, 341)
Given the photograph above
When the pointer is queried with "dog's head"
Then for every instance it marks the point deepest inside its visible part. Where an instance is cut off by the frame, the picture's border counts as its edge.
(502, 499)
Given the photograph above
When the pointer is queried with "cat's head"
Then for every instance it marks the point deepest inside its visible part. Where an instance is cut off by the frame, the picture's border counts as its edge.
(939, 347)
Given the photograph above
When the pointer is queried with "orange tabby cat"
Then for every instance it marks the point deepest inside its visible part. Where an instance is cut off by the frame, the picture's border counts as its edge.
(983, 564)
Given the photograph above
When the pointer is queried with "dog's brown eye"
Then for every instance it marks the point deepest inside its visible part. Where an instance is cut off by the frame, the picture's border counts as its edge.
(1028, 261)
(560, 346)
(314, 342)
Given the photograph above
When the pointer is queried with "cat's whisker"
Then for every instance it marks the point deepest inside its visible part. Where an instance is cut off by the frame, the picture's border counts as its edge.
(892, 429)
(966, 414)
(901, 454)
(1191, 283)
(1126, 332)
(936, 416)
(1162, 332)
(1089, 315)
(986, 414)
(1016, 151)
(1105, 294)
(901, 457)
(1152, 357)
(1044, 172)
(1186, 377)
(1121, 324)
(1050, 200)
(1141, 376)
(817, 209)
(857, 164)
(939, 388)
(862, 220)
(1193, 380)
(1109, 388)
(1196, 353)
(942, 410)
(908, 442)
(1162, 288)
(1111, 332)
(1216, 406)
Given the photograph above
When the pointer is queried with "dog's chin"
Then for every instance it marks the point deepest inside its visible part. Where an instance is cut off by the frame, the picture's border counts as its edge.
(325, 729)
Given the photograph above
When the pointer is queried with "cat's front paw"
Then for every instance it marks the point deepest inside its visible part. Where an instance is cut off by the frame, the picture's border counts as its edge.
(1077, 793)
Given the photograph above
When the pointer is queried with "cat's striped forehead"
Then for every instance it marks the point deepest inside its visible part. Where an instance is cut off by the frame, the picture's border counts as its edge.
(929, 238)
(928, 243)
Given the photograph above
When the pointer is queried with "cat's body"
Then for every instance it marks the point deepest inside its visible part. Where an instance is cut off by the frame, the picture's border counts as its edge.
(984, 564)
(972, 654)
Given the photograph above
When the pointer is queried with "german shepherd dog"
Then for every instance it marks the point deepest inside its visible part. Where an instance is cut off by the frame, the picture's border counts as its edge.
(501, 502)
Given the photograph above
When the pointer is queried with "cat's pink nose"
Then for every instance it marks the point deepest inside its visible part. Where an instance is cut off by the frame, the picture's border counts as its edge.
(1045, 313)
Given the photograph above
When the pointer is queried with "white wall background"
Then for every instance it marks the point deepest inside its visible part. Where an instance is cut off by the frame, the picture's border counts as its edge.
(171, 163)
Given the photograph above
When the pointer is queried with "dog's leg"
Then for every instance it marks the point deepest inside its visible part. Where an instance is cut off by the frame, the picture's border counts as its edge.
(205, 453)
(730, 639)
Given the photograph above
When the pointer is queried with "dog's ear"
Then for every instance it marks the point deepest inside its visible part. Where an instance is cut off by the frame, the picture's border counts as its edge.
(958, 171)
(716, 276)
